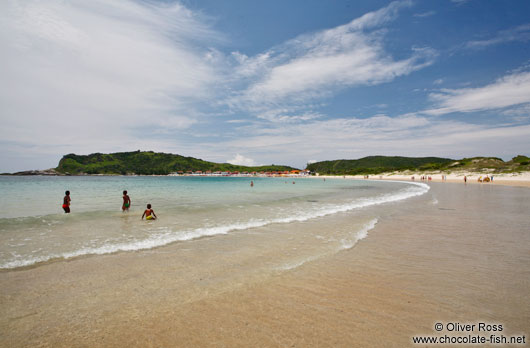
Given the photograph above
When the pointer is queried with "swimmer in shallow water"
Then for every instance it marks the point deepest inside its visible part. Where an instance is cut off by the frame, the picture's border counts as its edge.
(149, 213)
(126, 201)
(66, 202)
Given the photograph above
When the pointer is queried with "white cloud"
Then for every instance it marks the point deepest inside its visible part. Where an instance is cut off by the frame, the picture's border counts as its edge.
(242, 161)
(508, 91)
(314, 65)
(520, 33)
(407, 135)
(519, 114)
(250, 66)
(93, 75)
(424, 14)
(287, 115)
(521, 110)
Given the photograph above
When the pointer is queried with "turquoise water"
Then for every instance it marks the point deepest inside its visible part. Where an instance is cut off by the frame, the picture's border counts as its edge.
(34, 229)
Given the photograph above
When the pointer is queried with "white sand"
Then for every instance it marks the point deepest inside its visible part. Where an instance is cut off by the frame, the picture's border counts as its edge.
(511, 179)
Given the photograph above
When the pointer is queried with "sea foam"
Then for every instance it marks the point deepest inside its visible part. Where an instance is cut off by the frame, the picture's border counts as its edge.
(344, 245)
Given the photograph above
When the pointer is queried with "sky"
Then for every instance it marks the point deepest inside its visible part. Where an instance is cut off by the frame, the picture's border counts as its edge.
(263, 82)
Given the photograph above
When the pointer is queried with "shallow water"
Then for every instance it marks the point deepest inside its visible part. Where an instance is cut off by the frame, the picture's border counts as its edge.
(33, 228)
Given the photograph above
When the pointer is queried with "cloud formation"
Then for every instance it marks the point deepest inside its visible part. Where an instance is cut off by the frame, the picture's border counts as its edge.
(123, 75)
(313, 65)
(510, 90)
(242, 161)
(85, 76)
(520, 33)
(407, 135)
(424, 14)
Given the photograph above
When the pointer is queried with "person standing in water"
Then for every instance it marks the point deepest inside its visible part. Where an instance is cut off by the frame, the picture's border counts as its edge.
(66, 202)
(126, 201)
(149, 213)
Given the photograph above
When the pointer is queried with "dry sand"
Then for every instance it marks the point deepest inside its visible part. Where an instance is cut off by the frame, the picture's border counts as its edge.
(460, 255)
(507, 179)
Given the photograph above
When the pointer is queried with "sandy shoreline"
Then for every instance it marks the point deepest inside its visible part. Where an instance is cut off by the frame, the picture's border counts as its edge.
(456, 254)
(512, 179)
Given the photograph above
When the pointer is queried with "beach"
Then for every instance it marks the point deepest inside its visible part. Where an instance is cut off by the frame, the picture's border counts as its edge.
(455, 254)
(506, 179)
(264, 174)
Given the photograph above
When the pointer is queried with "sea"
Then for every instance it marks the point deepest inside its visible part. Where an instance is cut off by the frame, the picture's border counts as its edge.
(288, 217)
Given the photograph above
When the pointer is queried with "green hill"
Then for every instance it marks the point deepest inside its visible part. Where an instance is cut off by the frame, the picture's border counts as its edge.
(377, 164)
(146, 163)
(381, 164)
(490, 164)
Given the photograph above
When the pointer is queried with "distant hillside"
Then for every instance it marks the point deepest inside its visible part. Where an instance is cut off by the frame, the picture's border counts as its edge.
(492, 164)
(146, 163)
(381, 164)
(377, 164)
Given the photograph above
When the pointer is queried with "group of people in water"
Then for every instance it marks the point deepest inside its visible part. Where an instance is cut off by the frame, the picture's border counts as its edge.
(149, 213)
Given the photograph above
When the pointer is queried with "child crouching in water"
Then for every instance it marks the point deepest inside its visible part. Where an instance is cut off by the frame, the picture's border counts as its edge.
(149, 213)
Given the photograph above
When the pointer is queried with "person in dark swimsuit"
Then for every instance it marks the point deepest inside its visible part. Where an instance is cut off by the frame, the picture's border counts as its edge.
(126, 201)
(66, 202)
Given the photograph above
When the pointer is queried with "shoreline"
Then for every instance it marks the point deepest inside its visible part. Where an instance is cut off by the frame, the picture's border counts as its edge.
(506, 178)
(519, 179)
(438, 257)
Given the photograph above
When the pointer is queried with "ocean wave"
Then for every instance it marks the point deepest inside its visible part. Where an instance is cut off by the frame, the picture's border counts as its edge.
(168, 237)
(344, 245)
(361, 234)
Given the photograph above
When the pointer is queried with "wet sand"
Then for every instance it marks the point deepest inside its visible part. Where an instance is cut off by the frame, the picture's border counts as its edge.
(457, 254)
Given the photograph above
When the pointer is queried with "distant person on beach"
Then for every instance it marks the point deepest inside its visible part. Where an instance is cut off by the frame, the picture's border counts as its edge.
(66, 202)
(251, 183)
(126, 201)
(465, 179)
(149, 213)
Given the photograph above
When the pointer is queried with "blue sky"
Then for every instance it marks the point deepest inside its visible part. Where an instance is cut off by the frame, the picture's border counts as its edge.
(261, 82)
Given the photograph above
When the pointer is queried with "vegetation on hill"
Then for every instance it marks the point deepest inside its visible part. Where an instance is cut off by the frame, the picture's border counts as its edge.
(377, 164)
(521, 160)
(147, 163)
(490, 164)
(381, 164)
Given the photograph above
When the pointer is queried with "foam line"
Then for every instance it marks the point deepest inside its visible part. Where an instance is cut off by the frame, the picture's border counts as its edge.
(345, 244)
